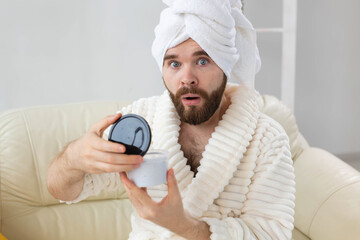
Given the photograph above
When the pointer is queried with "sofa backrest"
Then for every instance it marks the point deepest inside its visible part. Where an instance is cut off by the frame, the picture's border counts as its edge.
(30, 138)
(277, 110)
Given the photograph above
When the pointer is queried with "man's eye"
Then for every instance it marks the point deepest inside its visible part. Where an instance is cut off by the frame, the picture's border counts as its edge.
(174, 64)
(202, 61)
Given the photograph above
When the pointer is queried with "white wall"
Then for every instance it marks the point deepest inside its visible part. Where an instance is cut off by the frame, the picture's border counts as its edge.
(328, 74)
(54, 52)
(77, 50)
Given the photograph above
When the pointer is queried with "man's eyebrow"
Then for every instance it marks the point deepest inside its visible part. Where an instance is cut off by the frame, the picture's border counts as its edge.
(200, 53)
(171, 56)
(197, 53)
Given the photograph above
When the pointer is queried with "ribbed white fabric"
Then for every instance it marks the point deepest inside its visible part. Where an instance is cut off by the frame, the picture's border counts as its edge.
(244, 188)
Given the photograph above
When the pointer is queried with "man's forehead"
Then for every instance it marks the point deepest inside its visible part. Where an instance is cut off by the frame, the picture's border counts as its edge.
(188, 47)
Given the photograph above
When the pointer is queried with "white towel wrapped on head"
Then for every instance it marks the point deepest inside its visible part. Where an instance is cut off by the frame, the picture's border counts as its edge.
(221, 30)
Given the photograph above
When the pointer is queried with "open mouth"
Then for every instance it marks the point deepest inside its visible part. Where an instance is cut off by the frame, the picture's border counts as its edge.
(190, 96)
(191, 99)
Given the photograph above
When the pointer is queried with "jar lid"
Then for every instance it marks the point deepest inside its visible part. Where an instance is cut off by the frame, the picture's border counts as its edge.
(133, 132)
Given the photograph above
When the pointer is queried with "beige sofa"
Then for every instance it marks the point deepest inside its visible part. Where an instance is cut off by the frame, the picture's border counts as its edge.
(327, 196)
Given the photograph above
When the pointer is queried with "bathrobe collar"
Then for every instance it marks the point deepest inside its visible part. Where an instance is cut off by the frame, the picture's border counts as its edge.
(222, 154)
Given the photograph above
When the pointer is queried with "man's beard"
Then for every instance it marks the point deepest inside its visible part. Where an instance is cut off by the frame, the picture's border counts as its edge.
(195, 115)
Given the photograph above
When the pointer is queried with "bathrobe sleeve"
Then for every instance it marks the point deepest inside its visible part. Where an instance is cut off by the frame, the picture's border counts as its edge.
(95, 183)
(269, 209)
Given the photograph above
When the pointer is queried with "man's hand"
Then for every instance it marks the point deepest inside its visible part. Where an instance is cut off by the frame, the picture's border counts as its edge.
(169, 212)
(93, 154)
(88, 154)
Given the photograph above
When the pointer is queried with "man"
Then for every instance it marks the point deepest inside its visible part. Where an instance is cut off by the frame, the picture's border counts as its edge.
(231, 174)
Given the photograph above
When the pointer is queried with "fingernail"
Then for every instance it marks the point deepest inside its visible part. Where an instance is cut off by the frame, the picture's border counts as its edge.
(139, 159)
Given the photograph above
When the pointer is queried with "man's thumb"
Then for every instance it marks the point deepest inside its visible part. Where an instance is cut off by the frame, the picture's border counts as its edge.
(100, 126)
(172, 183)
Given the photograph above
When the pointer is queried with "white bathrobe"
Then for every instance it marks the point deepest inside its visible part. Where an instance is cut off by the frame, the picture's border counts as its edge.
(244, 188)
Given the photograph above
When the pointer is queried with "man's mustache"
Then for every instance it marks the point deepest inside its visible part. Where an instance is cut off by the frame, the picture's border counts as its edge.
(186, 90)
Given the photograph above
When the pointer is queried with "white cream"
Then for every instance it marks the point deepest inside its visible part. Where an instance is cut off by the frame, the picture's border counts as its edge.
(152, 170)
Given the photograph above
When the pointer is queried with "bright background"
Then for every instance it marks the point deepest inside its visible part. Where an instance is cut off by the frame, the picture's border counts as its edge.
(63, 51)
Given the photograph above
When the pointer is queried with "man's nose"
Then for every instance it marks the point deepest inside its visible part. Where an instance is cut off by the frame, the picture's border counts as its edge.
(188, 77)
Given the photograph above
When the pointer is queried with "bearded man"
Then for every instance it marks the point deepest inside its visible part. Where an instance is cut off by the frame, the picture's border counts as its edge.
(231, 173)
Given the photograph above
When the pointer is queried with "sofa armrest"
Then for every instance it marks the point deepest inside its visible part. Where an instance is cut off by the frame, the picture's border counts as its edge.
(327, 204)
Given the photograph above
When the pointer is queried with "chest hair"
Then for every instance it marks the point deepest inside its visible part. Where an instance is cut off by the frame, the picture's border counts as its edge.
(193, 147)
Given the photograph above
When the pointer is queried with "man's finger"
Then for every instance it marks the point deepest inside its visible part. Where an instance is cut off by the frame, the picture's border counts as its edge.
(135, 202)
(123, 177)
(101, 167)
(173, 189)
(116, 158)
(100, 126)
(106, 146)
(136, 192)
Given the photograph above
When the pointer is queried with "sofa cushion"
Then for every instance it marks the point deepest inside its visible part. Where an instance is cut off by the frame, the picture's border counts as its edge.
(327, 204)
